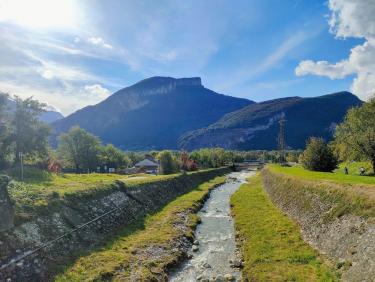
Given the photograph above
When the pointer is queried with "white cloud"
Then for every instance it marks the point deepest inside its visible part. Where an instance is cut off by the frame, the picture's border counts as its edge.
(96, 91)
(99, 42)
(350, 18)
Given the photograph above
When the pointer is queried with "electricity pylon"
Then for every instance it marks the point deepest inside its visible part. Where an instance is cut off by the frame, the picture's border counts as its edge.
(281, 139)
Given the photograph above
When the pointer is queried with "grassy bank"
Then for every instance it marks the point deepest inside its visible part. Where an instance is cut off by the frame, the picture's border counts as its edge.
(42, 190)
(144, 250)
(337, 177)
(271, 243)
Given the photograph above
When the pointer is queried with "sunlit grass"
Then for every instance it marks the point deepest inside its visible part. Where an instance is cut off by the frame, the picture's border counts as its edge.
(41, 189)
(338, 176)
(271, 242)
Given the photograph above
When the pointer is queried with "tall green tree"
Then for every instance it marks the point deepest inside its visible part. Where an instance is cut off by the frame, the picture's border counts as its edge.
(28, 134)
(355, 136)
(79, 149)
(4, 129)
(114, 157)
(318, 156)
(168, 163)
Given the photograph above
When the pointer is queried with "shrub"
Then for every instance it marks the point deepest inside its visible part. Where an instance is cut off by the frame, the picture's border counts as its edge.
(168, 164)
(318, 156)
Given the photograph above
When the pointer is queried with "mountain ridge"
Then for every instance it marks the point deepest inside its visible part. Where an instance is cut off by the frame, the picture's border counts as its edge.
(256, 126)
(152, 113)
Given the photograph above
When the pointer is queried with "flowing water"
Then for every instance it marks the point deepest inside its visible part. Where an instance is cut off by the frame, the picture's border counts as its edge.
(213, 257)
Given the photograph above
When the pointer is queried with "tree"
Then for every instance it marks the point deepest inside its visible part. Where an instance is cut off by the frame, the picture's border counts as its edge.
(318, 156)
(186, 163)
(168, 164)
(4, 130)
(79, 149)
(114, 157)
(355, 136)
(28, 134)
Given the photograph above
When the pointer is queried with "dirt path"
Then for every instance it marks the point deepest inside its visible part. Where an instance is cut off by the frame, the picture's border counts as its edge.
(213, 256)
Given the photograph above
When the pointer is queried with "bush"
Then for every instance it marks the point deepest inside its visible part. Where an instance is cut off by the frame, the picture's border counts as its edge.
(318, 156)
(168, 163)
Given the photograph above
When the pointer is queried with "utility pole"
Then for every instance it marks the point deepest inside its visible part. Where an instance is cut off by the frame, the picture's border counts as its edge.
(21, 160)
(281, 139)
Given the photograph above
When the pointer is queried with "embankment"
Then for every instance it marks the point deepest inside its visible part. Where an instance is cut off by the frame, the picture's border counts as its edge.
(337, 219)
(84, 220)
(146, 249)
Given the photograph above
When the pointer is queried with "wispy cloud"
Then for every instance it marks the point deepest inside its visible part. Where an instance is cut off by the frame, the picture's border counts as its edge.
(99, 42)
(249, 71)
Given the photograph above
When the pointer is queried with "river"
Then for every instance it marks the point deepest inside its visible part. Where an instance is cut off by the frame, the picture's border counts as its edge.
(213, 256)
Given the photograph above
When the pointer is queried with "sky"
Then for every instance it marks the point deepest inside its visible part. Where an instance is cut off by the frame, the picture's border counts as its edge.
(70, 53)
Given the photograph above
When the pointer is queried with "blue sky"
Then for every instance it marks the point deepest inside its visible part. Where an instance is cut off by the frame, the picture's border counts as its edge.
(75, 53)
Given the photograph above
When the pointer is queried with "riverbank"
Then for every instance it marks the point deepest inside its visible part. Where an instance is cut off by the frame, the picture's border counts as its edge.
(335, 216)
(271, 243)
(145, 250)
(75, 224)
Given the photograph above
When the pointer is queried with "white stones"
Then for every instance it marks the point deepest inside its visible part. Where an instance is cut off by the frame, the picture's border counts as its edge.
(237, 263)
(195, 248)
(196, 242)
(229, 277)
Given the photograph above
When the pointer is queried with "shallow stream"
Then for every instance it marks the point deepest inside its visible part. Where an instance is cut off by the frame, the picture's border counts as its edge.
(213, 256)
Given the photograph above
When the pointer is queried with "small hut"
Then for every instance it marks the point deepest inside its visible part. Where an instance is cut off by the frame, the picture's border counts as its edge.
(147, 166)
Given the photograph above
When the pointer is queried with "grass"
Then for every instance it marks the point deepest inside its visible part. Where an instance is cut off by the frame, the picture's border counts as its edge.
(41, 188)
(353, 168)
(129, 255)
(42, 192)
(337, 177)
(271, 243)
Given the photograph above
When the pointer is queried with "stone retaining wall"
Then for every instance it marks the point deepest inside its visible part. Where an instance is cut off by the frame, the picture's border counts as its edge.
(6, 208)
(132, 202)
(345, 237)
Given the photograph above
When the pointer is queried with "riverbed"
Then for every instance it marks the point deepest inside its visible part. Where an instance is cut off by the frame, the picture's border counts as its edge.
(213, 256)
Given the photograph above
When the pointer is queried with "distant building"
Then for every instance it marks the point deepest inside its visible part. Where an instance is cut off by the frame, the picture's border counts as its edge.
(147, 166)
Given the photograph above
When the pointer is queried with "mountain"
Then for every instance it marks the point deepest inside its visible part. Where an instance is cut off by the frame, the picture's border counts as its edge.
(153, 113)
(256, 126)
(49, 116)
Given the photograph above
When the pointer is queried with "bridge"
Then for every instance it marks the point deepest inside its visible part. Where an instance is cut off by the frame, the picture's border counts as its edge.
(248, 165)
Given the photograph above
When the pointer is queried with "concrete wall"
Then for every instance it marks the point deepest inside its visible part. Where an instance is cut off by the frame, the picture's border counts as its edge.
(328, 222)
(6, 208)
(134, 202)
